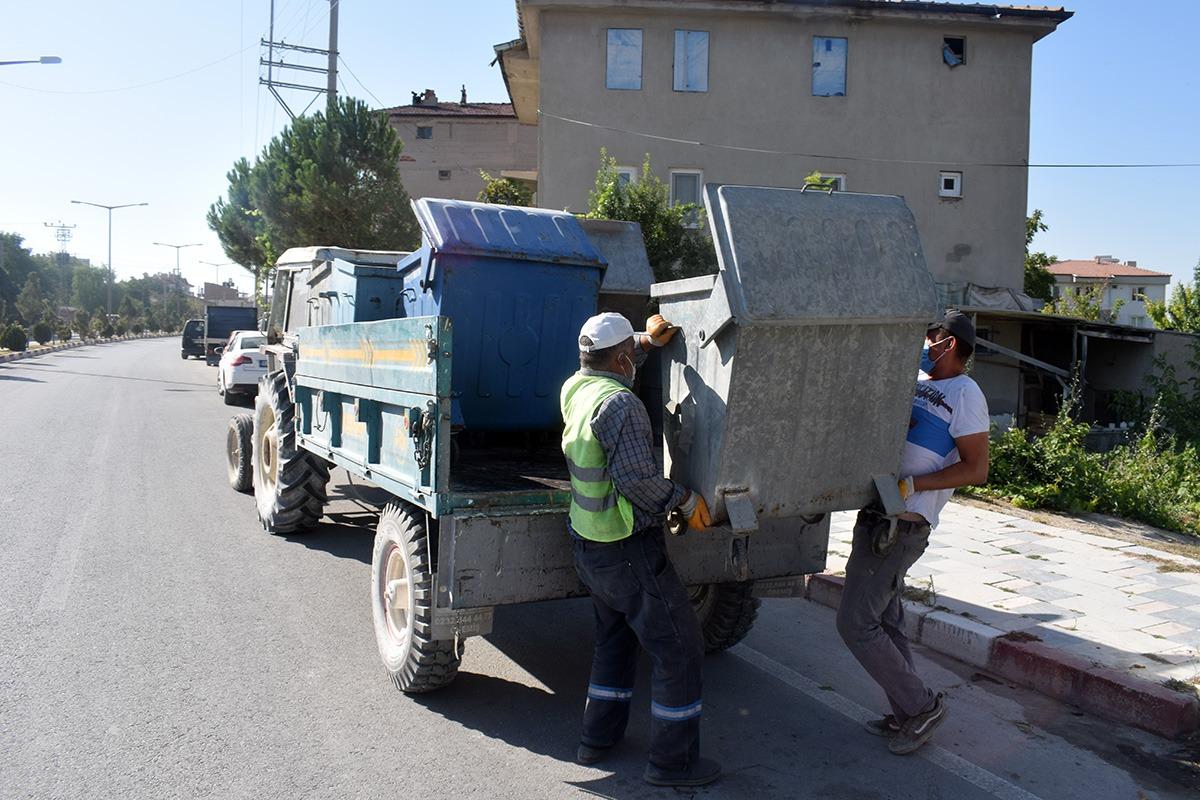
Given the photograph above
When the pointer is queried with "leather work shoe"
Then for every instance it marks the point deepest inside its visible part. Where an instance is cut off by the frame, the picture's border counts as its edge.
(703, 772)
(917, 729)
(586, 754)
(886, 727)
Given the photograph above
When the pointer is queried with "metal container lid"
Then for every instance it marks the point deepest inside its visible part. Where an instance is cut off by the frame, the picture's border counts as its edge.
(804, 256)
(482, 229)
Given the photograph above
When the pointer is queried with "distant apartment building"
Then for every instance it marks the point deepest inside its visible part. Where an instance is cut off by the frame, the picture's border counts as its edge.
(921, 99)
(1125, 286)
(446, 145)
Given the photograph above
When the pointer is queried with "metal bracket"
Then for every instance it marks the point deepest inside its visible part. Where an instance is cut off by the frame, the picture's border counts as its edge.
(739, 507)
(431, 344)
(717, 315)
(889, 494)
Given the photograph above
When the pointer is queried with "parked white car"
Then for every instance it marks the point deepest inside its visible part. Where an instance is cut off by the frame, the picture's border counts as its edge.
(241, 365)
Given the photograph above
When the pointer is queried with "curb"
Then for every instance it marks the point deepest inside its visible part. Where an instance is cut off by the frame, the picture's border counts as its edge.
(1106, 692)
(77, 343)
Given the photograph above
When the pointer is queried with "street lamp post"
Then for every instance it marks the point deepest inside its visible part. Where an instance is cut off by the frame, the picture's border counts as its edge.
(110, 209)
(42, 60)
(217, 268)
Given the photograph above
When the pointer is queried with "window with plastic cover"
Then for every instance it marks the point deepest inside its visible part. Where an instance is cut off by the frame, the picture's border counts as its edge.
(298, 305)
(691, 61)
(954, 51)
(685, 189)
(279, 297)
(624, 59)
(829, 66)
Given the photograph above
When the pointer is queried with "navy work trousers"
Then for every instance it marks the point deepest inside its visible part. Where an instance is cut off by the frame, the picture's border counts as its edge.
(639, 599)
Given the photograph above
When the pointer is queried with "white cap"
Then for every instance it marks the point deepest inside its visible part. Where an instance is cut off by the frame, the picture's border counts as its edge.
(604, 330)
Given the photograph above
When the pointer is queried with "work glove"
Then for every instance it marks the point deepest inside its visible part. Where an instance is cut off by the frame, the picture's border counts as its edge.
(659, 330)
(906, 487)
(691, 514)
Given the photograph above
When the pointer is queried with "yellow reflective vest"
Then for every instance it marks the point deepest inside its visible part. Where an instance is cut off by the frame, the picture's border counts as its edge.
(598, 511)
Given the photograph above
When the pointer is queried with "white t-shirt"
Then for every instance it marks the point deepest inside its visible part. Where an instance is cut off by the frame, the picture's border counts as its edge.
(942, 411)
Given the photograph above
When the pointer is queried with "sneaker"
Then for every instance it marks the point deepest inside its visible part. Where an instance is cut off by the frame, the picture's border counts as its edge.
(586, 754)
(917, 729)
(704, 771)
(886, 727)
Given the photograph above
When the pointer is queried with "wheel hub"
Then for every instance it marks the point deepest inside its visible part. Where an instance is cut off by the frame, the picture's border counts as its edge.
(268, 460)
(397, 595)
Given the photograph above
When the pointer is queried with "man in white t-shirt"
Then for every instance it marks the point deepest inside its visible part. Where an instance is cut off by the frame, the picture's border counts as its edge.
(947, 447)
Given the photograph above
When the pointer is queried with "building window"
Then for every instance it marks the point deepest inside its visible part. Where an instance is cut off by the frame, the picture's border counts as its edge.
(443, 174)
(954, 51)
(829, 66)
(1139, 292)
(685, 189)
(836, 180)
(424, 131)
(624, 69)
(950, 184)
(626, 175)
(691, 61)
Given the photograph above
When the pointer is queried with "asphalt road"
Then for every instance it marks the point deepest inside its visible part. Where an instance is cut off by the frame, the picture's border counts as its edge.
(155, 642)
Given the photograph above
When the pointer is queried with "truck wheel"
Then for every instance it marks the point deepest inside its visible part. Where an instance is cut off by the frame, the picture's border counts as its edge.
(237, 451)
(183, 355)
(402, 604)
(289, 483)
(726, 612)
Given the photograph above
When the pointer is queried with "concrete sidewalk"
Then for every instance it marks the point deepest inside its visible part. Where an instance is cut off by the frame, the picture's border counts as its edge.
(1110, 625)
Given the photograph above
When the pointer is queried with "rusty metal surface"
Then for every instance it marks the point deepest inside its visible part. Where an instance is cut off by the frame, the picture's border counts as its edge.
(794, 375)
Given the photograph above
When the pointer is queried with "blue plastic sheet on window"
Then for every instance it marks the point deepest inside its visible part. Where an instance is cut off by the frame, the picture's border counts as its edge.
(829, 66)
(691, 61)
(624, 69)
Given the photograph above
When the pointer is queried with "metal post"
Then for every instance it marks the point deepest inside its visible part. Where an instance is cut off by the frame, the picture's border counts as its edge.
(110, 267)
(331, 78)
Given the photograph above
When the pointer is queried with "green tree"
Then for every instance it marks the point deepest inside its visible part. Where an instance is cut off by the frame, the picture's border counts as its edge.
(30, 303)
(1085, 303)
(1182, 311)
(1039, 281)
(504, 191)
(676, 244)
(88, 289)
(332, 178)
(42, 332)
(16, 265)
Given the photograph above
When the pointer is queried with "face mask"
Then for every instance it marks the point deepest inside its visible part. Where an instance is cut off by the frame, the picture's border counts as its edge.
(632, 367)
(927, 363)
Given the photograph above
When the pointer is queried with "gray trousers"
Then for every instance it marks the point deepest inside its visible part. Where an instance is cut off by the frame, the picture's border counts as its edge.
(870, 618)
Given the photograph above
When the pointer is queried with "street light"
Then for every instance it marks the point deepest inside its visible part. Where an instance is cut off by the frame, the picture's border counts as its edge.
(217, 268)
(42, 60)
(110, 210)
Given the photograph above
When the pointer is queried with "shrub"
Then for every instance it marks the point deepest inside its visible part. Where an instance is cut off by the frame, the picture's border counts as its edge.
(137, 327)
(105, 329)
(121, 328)
(42, 332)
(64, 334)
(14, 338)
(504, 191)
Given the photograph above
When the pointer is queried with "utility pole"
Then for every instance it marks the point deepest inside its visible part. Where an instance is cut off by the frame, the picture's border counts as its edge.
(275, 62)
(62, 233)
(108, 304)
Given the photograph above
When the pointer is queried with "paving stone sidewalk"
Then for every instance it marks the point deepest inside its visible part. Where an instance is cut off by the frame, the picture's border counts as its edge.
(1119, 604)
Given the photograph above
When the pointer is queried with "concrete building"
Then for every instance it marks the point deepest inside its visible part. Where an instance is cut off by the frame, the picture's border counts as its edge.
(447, 144)
(920, 99)
(1124, 283)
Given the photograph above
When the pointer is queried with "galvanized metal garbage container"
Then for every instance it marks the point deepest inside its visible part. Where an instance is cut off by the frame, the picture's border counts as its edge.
(517, 283)
(791, 387)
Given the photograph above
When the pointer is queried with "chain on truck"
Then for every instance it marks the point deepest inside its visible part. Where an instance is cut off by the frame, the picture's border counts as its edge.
(434, 375)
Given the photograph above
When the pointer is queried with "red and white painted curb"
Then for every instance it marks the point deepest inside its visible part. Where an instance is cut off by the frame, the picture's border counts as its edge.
(1022, 659)
(41, 351)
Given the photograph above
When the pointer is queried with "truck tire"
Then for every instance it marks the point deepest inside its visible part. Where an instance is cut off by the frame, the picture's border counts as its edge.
(183, 355)
(238, 444)
(726, 612)
(289, 483)
(402, 604)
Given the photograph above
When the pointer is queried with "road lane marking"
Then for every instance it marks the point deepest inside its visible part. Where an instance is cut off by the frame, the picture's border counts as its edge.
(956, 765)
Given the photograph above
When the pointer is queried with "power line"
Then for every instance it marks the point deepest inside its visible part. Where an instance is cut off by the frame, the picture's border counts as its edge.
(830, 157)
(360, 83)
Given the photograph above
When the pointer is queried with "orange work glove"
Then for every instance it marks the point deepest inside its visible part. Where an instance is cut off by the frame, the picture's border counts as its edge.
(906, 487)
(691, 515)
(659, 330)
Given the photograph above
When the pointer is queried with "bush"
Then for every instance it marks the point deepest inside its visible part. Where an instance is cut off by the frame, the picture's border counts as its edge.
(42, 332)
(105, 329)
(121, 328)
(504, 191)
(14, 338)
(137, 327)
(64, 334)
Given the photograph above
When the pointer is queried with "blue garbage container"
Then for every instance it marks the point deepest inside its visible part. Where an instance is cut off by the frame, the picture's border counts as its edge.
(517, 284)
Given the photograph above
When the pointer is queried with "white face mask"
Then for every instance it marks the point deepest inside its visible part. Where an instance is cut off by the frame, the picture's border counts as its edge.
(632, 367)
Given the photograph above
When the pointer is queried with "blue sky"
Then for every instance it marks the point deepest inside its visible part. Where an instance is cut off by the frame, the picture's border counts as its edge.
(155, 100)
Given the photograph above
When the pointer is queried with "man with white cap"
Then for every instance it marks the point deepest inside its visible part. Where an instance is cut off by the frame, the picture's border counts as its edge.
(619, 498)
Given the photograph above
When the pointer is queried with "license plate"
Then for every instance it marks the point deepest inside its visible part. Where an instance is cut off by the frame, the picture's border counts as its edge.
(262, 363)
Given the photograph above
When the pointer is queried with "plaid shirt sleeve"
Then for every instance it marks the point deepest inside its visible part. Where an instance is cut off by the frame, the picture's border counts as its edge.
(622, 427)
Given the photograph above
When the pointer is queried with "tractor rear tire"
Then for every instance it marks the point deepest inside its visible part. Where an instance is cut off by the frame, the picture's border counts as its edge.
(238, 444)
(289, 483)
(402, 604)
(726, 612)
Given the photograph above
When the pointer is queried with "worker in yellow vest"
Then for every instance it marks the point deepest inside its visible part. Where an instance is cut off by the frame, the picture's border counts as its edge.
(619, 499)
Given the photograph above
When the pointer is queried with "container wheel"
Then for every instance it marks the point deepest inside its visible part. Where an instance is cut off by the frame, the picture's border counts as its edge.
(402, 604)
(289, 483)
(238, 444)
(726, 612)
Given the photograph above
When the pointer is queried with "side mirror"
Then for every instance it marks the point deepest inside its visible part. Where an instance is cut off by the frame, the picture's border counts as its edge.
(218, 350)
